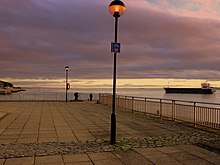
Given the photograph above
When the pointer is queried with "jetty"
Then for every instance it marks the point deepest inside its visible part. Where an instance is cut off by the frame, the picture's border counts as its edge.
(52, 132)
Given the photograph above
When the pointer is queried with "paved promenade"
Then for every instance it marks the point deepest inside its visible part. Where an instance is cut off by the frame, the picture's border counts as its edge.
(78, 133)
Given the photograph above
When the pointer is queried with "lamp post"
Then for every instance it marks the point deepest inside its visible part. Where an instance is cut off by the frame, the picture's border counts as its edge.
(117, 9)
(66, 69)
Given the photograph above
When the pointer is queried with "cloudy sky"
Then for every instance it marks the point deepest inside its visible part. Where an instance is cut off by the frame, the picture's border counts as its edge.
(162, 40)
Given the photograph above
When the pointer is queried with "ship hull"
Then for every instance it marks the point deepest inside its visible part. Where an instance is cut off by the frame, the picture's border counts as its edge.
(190, 90)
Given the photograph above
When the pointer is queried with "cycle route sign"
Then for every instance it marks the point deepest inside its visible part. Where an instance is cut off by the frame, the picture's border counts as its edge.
(115, 47)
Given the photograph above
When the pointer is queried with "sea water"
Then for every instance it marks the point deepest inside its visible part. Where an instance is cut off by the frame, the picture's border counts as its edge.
(136, 92)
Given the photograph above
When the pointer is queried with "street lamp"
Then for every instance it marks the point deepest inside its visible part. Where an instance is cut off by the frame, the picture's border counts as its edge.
(66, 69)
(117, 9)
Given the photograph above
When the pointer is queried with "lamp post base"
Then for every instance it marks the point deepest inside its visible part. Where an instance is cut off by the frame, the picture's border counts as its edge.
(113, 128)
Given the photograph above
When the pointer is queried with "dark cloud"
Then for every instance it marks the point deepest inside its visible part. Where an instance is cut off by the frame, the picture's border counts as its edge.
(39, 38)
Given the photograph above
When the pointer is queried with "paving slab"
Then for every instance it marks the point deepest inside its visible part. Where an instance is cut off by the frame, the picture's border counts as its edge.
(181, 156)
(214, 160)
(131, 157)
(81, 163)
(197, 161)
(159, 159)
(49, 160)
(77, 158)
(108, 161)
(2, 161)
(2, 114)
(104, 158)
(78, 133)
(148, 151)
(198, 151)
(20, 161)
(169, 150)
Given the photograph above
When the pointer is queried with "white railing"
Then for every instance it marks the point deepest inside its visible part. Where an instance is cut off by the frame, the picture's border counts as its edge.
(46, 97)
(197, 113)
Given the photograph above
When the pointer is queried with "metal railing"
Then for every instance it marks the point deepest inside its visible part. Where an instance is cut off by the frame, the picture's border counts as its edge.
(46, 97)
(197, 113)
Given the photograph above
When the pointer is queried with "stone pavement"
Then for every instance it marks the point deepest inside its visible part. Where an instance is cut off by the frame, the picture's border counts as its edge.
(78, 133)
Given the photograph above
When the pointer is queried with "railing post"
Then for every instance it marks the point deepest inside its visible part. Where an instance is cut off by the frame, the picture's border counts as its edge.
(132, 104)
(118, 101)
(173, 109)
(125, 103)
(99, 98)
(107, 96)
(194, 112)
(103, 99)
(160, 108)
(217, 122)
(107, 101)
(145, 106)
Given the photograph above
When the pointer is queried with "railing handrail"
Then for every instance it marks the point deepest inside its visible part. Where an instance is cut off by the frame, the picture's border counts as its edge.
(177, 100)
(46, 96)
(197, 113)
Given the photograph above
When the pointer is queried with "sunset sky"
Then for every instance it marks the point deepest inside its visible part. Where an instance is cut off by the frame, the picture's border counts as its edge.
(174, 42)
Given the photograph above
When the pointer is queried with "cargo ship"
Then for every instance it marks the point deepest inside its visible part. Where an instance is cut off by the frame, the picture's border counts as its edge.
(205, 89)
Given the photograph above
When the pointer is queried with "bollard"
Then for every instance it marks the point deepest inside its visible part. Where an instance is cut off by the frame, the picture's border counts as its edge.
(90, 97)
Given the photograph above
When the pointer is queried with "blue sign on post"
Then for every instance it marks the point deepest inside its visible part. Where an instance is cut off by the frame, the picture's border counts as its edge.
(115, 47)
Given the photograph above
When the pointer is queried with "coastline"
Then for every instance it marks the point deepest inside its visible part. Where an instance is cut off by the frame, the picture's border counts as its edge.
(10, 90)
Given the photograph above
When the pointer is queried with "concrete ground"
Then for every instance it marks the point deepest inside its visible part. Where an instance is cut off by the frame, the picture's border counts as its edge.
(78, 133)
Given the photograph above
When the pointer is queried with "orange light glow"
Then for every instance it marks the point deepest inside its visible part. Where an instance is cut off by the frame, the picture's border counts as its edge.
(117, 8)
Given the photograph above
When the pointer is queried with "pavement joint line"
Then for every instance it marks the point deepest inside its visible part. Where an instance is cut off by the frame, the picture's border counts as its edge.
(85, 119)
(2, 115)
(38, 134)
(69, 124)
(53, 122)
(14, 118)
(24, 125)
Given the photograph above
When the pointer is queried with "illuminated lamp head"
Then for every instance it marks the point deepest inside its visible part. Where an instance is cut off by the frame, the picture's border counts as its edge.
(67, 68)
(117, 8)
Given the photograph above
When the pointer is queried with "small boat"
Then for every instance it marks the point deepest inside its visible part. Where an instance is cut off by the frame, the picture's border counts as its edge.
(205, 89)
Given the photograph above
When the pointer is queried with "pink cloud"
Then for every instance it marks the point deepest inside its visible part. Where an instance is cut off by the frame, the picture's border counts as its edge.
(38, 38)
